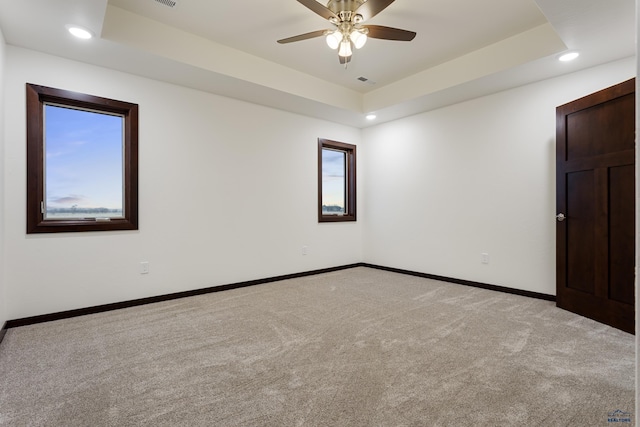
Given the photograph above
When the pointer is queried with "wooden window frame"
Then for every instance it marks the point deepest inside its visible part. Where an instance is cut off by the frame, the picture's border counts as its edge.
(350, 180)
(37, 96)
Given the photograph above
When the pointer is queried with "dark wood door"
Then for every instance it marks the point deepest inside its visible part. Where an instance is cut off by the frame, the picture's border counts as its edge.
(595, 179)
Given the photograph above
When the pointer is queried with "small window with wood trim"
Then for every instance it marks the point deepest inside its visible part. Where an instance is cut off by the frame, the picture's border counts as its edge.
(82, 162)
(336, 181)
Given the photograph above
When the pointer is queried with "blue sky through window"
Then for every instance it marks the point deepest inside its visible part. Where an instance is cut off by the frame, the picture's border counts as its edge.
(333, 178)
(84, 163)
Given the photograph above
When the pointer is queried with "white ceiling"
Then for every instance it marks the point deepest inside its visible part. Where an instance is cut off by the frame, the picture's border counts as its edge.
(254, 27)
(464, 48)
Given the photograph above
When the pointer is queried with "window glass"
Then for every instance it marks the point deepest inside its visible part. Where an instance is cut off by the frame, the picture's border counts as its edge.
(333, 181)
(83, 164)
(336, 181)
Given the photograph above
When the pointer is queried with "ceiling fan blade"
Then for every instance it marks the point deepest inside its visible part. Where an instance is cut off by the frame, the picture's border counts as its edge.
(304, 36)
(371, 8)
(319, 9)
(389, 33)
(344, 59)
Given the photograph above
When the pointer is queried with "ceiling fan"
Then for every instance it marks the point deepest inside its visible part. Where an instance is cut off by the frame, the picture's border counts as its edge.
(347, 17)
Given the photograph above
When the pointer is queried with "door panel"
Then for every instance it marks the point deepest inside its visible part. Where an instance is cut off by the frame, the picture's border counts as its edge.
(580, 235)
(595, 167)
(594, 133)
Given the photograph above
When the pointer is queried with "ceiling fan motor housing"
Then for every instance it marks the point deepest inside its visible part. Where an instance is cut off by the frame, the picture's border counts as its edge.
(337, 6)
(347, 17)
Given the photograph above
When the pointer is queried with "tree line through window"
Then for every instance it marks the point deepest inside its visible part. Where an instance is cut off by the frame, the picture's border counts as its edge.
(82, 162)
(82, 165)
(336, 181)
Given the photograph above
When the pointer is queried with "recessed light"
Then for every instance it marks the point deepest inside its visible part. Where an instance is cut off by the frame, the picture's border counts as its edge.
(79, 32)
(569, 56)
(371, 116)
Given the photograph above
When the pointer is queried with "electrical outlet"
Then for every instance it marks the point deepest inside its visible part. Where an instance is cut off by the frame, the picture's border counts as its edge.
(305, 250)
(144, 267)
(484, 258)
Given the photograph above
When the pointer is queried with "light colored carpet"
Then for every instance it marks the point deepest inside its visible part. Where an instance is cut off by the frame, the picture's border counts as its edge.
(358, 347)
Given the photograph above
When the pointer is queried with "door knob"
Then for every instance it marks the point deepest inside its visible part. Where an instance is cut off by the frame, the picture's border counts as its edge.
(561, 217)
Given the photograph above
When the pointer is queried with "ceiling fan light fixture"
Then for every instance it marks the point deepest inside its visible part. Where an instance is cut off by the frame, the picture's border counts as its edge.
(358, 38)
(347, 34)
(334, 39)
(345, 48)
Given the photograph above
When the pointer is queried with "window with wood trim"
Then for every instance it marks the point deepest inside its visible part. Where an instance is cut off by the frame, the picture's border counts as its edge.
(336, 181)
(82, 162)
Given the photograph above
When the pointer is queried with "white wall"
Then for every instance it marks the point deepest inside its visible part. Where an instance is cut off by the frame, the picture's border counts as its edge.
(3, 300)
(228, 193)
(477, 177)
